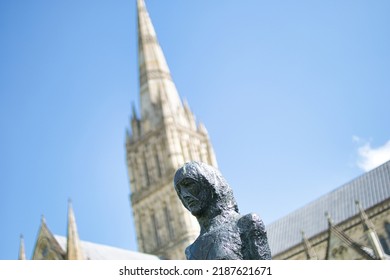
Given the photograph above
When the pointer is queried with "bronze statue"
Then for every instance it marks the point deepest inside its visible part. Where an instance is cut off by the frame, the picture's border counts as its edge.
(224, 233)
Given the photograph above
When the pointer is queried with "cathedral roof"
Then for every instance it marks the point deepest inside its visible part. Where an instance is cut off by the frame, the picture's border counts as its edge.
(93, 251)
(370, 189)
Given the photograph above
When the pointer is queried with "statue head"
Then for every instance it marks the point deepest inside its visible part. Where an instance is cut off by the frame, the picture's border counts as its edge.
(201, 188)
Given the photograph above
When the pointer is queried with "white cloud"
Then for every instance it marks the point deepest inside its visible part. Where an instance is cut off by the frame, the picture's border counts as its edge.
(370, 157)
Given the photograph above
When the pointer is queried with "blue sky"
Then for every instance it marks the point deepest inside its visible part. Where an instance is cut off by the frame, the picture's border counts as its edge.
(295, 96)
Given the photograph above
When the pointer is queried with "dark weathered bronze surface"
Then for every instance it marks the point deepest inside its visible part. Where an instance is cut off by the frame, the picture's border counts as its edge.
(224, 233)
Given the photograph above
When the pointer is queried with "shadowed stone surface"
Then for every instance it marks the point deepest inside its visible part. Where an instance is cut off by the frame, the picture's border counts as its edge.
(224, 233)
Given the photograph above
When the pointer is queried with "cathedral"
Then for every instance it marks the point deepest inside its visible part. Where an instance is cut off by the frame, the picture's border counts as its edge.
(351, 222)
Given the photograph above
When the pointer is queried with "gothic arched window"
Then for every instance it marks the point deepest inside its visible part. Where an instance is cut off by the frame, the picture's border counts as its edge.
(384, 244)
(168, 221)
(387, 229)
(147, 178)
(159, 173)
(155, 228)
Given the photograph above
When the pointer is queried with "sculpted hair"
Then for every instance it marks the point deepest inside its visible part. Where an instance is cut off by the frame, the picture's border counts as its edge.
(209, 177)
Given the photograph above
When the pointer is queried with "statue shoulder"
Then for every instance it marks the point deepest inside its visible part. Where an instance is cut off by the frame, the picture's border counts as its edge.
(251, 222)
(254, 237)
(188, 252)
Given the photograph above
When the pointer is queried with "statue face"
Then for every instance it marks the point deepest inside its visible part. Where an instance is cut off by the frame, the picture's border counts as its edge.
(193, 196)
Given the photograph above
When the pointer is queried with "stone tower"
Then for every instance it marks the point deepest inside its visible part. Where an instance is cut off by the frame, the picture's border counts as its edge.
(162, 138)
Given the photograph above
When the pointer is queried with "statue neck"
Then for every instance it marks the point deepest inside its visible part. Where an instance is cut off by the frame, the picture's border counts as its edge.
(214, 219)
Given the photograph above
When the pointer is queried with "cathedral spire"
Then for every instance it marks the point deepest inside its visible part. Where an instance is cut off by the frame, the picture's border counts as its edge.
(164, 136)
(369, 229)
(74, 251)
(22, 253)
(159, 96)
